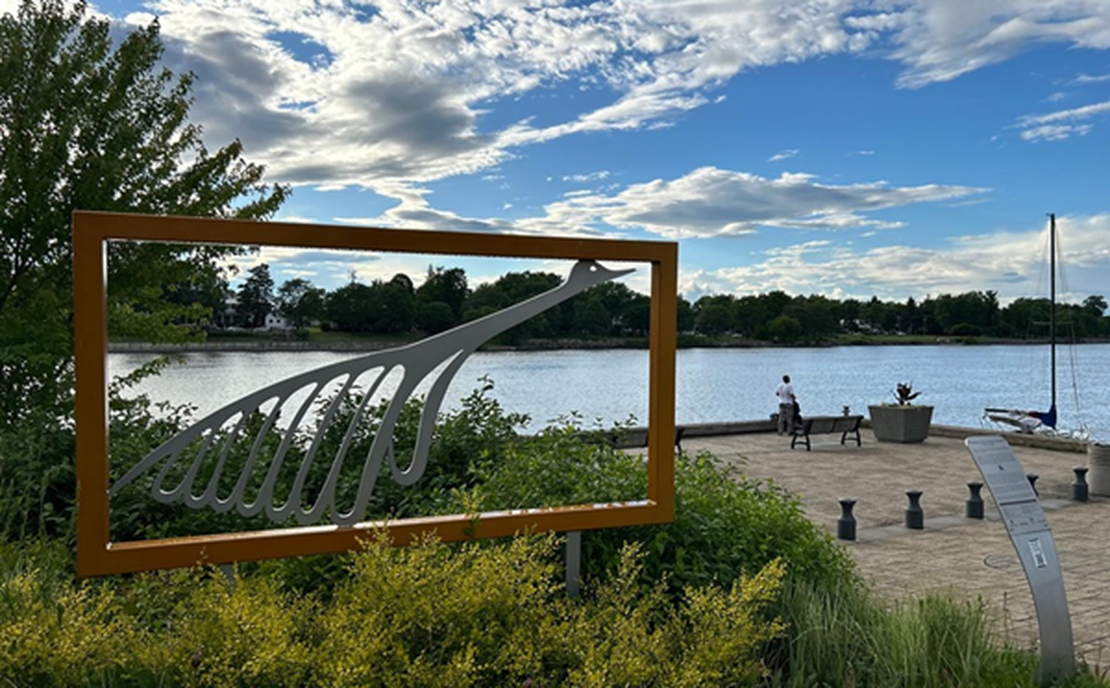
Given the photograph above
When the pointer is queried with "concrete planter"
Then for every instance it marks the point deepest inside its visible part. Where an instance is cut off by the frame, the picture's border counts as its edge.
(905, 424)
(1098, 461)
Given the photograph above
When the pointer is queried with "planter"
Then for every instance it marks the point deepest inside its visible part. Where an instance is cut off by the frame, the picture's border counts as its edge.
(905, 424)
(1098, 461)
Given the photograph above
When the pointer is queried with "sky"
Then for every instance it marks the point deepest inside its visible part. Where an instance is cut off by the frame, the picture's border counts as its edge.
(837, 147)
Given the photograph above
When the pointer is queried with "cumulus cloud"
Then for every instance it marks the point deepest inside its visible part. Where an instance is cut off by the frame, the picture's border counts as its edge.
(1012, 263)
(710, 202)
(335, 94)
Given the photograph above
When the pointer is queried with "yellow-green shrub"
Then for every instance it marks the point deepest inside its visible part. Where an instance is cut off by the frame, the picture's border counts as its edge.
(66, 635)
(246, 634)
(439, 615)
(490, 615)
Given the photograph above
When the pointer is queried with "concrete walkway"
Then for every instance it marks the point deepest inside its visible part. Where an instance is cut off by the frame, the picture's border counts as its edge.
(952, 552)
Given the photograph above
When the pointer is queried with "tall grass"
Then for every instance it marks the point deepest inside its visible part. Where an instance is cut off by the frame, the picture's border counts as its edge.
(849, 637)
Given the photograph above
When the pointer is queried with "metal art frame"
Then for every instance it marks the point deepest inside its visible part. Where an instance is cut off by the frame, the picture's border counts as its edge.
(97, 555)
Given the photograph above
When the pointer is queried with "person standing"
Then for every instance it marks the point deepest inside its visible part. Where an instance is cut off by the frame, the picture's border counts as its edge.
(785, 393)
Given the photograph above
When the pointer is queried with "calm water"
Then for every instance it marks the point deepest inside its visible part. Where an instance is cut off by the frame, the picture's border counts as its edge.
(713, 384)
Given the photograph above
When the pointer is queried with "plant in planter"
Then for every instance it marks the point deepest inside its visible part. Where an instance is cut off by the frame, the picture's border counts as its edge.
(903, 422)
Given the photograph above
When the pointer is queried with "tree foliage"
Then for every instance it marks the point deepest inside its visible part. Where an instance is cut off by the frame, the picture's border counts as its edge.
(256, 296)
(90, 124)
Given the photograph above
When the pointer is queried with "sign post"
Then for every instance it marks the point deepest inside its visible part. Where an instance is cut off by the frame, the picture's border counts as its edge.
(1029, 532)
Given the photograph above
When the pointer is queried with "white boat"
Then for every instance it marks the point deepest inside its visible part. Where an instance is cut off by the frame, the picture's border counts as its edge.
(1034, 421)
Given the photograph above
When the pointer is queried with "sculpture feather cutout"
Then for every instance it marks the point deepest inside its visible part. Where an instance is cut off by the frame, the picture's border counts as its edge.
(413, 363)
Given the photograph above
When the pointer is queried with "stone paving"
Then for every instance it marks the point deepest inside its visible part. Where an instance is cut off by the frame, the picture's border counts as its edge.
(952, 552)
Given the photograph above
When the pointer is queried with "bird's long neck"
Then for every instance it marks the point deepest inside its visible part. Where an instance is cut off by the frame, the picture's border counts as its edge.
(473, 334)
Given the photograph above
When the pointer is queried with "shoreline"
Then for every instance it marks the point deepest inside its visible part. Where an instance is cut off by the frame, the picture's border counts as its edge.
(263, 345)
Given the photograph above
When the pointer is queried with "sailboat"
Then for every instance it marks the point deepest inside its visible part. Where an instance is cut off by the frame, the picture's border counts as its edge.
(1033, 421)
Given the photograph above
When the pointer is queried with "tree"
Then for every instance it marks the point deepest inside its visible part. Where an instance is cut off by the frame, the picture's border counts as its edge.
(448, 286)
(352, 307)
(300, 302)
(256, 296)
(716, 315)
(396, 305)
(88, 124)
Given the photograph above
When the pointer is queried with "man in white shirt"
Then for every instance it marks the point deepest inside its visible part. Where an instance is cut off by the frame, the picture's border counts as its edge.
(785, 393)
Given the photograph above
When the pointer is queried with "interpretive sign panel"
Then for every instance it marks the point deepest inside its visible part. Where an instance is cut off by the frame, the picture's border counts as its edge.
(246, 457)
(1029, 532)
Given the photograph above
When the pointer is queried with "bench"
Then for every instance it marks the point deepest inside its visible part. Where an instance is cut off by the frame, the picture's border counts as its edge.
(825, 425)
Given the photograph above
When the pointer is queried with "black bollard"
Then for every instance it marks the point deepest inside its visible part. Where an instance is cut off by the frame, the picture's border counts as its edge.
(1079, 487)
(1032, 477)
(846, 524)
(915, 517)
(975, 501)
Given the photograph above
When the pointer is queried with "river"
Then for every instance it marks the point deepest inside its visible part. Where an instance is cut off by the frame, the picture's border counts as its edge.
(609, 386)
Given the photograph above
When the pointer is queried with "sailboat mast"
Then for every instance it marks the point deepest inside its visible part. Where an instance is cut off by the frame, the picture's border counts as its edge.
(1052, 298)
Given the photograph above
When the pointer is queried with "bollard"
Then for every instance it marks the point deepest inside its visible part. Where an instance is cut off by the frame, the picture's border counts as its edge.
(846, 524)
(1079, 487)
(915, 517)
(975, 501)
(1032, 477)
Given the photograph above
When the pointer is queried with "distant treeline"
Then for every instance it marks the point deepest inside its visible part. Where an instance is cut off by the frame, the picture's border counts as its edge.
(444, 299)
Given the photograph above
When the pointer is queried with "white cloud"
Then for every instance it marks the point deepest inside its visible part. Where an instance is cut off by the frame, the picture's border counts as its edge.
(1055, 132)
(1092, 79)
(940, 40)
(1012, 263)
(338, 95)
(590, 177)
(783, 155)
(1056, 126)
(712, 202)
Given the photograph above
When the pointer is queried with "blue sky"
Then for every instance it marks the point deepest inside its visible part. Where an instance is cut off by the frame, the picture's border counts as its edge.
(843, 148)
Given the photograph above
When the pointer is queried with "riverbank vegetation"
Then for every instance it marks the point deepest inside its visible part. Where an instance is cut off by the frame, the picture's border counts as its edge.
(611, 314)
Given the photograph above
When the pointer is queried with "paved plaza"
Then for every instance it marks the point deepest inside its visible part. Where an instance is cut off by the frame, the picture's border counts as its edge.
(952, 551)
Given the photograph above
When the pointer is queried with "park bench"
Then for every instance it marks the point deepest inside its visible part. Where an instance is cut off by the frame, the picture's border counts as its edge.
(826, 425)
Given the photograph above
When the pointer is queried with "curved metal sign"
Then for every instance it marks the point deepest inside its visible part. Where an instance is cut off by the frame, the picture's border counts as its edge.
(1032, 539)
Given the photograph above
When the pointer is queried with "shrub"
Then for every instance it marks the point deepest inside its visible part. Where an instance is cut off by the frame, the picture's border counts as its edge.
(476, 614)
(725, 524)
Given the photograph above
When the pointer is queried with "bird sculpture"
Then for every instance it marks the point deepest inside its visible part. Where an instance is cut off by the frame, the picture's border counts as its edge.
(436, 358)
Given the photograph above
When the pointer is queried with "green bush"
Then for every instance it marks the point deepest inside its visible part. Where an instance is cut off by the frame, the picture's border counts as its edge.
(478, 614)
(725, 524)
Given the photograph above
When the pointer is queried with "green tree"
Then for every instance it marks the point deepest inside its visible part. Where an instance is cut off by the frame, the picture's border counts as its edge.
(685, 315)
(300, 301)
(256, 296)
(816, 315)
(434, 317)
(86, 123)
(352, 307)
(716, 315)
(784, 329)
(396, 305)
(445, 285)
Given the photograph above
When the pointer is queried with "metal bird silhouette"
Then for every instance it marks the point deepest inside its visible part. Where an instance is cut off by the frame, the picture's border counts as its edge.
(414, 363)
